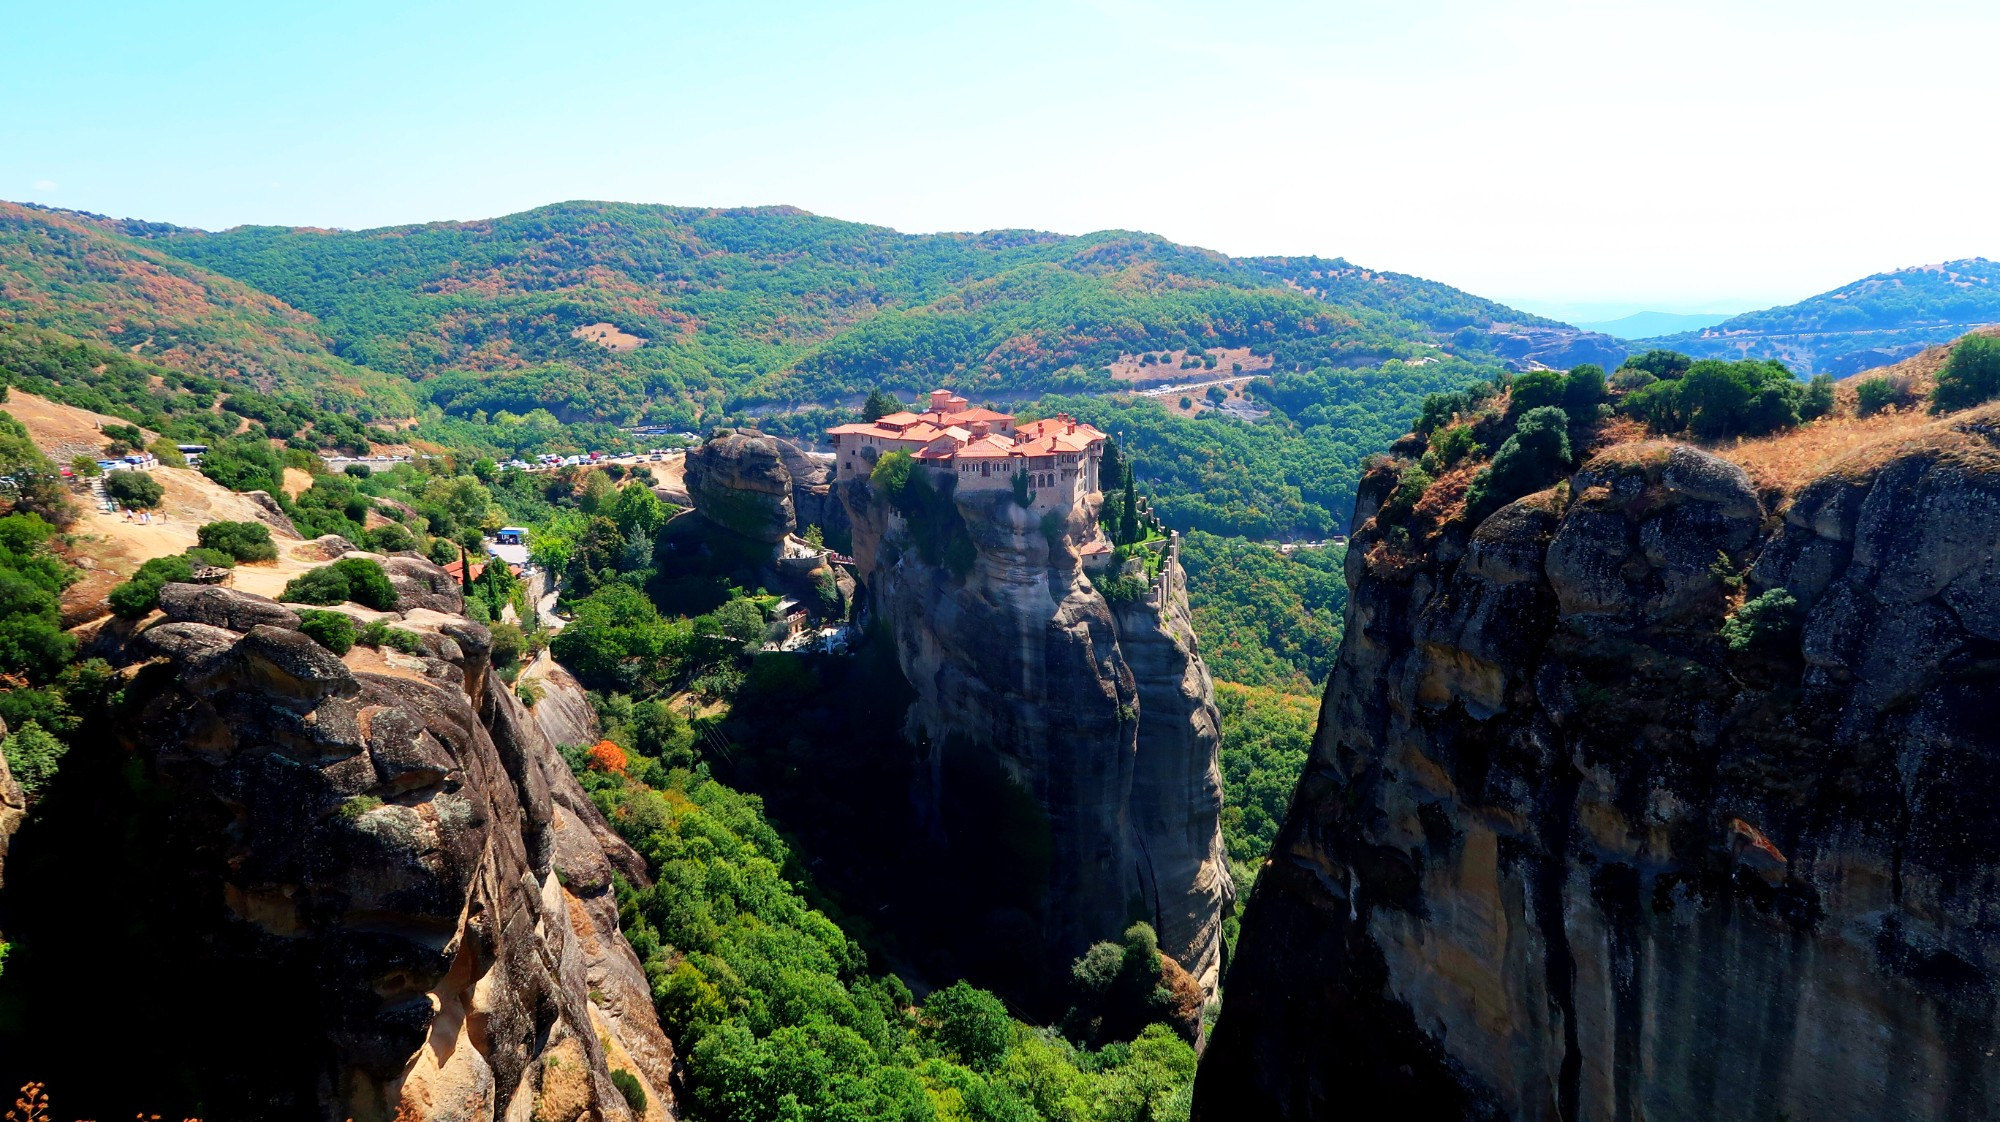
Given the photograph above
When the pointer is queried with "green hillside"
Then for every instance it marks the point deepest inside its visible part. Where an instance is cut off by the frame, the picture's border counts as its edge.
(75, 274)
(1871, 322)
(773, 306)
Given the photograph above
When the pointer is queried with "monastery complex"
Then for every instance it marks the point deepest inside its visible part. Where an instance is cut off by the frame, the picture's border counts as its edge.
(983, 449)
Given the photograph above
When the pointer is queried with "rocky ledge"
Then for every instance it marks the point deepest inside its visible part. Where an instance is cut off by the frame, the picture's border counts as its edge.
(425, 889)
(1564, 850)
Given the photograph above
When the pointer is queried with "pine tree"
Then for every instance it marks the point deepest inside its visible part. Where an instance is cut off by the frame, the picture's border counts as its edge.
(1128, 521)
(1111, 466)
(464, 572)
(879, 405)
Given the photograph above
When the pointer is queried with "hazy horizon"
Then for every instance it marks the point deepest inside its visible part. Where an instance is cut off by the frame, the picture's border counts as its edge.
(1551, 155)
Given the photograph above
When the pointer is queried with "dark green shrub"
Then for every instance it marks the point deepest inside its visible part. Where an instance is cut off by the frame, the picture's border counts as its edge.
(1584, 391)
(135, 489)
(392, 538)
(199, 557)
(33, 756)
(331, 630)
(245, 463)
(970, 1025)
(1658, 364)
(508, 643)
(1537, 389)
(1872, 395)
(1817, 400)
(1767, 623)
(1970, 376)
(351, 578)
(1533, 458)
(141, 594)
(629, 1086)
(245, 541)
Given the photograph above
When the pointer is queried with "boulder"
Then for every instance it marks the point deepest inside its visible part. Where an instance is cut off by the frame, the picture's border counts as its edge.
(223, 607)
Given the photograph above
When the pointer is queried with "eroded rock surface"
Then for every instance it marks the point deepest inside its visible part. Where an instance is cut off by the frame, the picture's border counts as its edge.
(1093, 731)
(763, 487)
(1560, 853)
(423, 887)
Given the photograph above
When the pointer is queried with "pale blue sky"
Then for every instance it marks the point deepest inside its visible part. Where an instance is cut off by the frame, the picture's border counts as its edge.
(1679, 156)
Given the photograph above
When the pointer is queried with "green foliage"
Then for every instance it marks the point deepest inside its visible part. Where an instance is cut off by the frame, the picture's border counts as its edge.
(392, 537)
(969, 1025)
(1584, 390)
(331, 630)
(1970, 376)
(1817, 399)
(355, 806)
(1536, 389)
(245, 541)
(1872, 395)
(32, 578)
(29, 481)
(1765, 624)
(245, 464)
(629, 1086)
(1265, 618)
(618, 640)
(355, 579)
(1713, 399)
(773, 1008)
(33, 756)
(879, 405)
(134, 489)
(1658, 364)
(1120, 988)
(141, 594)
(1266, 736)
(1533, 458)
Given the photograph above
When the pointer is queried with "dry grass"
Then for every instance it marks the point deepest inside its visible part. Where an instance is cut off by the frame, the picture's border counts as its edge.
(1128, 368)
(608, 336)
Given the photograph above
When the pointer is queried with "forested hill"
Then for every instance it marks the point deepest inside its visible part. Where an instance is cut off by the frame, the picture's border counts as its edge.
(709, 310)
(79, 275)
(1872, 322)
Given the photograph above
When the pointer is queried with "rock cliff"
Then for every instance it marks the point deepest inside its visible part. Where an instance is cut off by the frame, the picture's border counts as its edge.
(404, 888)
(1563, 852)
(764, 487)
(1071, 743)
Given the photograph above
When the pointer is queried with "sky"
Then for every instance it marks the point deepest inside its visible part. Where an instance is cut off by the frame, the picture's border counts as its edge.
(1580, 159)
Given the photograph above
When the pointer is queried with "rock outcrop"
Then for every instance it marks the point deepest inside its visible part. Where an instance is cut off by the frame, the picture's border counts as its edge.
(13, 808)
(1563, 852)
(1085, 735)
(1527, 347)
(424, 889)
(763, 487)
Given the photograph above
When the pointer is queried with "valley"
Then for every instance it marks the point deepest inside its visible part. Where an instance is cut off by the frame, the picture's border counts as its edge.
(1345, 720)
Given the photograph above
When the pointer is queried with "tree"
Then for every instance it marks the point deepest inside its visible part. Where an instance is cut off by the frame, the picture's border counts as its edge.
(1128, 519)
(141, 594)
(638, 511)
(1584, 391)
(1111, 466)
(1970, 376)
(85, 466)
(879, 405)
(1531, 459)
(244, 541)
(331, 630)
(33, 756)
(28, 478)
(356, 579)
(970, 1025)
(1817, 400)
(1535, 390)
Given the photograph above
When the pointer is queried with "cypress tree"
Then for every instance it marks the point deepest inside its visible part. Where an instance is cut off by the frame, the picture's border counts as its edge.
(464, 572)
(1128, 522)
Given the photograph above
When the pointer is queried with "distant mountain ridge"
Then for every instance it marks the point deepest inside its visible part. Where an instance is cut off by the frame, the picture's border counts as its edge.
(719, 309)
(1642, 325)
(1874, 321)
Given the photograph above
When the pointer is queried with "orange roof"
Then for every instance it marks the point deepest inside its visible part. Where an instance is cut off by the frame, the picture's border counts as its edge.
(967, 416)
(1091, 549)
(988, 448)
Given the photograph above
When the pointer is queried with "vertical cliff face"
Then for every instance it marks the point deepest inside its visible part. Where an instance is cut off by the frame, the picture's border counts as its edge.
(1091, 730)
(764, 487)
(399, 891)
(1561, 852)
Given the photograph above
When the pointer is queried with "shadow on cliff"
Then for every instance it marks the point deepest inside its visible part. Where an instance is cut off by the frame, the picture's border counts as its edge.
(914, 876)
(110, 996)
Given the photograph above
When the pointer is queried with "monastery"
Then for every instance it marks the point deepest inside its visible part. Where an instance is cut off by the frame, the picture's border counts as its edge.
(985, 450)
